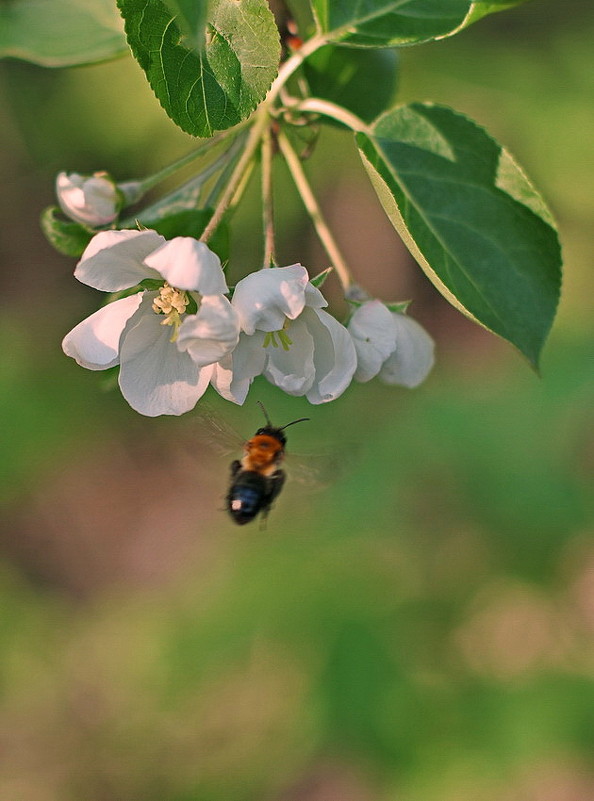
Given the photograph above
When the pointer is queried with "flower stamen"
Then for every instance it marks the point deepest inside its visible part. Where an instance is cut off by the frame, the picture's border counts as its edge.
(284, 339)
(172, 303)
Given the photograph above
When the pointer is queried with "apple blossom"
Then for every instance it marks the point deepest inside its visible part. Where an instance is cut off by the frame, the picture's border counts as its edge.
(390, 345)
(287, 337)
(94, 200)
(166, 336)
(374, 337)
(411, 362)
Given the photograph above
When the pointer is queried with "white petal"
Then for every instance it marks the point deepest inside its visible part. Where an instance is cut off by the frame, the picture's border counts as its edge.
(292, 370)
(186, 263)
(233, 375)
(249, 357)
(229, 388)
(94, 343)
(113, 260)
(314, 298)
(413, 358)
(211, 333)
(263, 299)
(222, 378)
(155, 377)
(65, 181)
(374, 336)
(91, 200)
(335, 358)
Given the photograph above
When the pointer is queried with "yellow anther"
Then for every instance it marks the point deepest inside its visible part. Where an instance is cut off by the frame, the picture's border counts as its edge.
(172, 303)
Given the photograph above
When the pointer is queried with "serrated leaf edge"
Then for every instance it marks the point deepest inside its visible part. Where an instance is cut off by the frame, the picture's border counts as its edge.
(400, 225)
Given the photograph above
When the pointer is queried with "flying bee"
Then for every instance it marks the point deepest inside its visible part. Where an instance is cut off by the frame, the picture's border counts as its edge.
(257, 478)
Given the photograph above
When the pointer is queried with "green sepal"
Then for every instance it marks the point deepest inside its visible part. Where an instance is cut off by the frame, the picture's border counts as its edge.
(66, 236)
(400, 307)
(319, 279)
(125, 293)
(150, 284)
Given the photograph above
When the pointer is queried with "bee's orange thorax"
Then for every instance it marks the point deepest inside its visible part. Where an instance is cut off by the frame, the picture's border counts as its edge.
(263, 454)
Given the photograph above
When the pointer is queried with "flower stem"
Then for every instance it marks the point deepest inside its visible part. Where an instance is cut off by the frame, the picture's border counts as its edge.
(171, 169)
(236, 199)
(259, 122)
(328, 109)
(187, 195)
(314, 211)
(267, 204)
(251, 146)
(293, 63)
(223, 177)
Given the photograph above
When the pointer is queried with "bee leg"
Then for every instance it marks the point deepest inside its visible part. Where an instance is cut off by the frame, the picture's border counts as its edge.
(275, 485)
(277, 479)
(235, 467)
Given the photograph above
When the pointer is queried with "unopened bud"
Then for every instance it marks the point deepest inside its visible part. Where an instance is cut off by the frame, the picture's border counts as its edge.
(93, 200)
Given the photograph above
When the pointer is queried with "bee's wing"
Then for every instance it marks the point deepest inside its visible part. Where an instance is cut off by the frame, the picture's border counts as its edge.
(220, 435)
(315, 471)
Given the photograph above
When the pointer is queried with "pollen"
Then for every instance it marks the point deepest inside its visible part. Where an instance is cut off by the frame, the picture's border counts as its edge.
(172, 303)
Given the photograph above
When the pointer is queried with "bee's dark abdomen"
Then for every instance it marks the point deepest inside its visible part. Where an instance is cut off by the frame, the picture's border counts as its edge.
(248, 495)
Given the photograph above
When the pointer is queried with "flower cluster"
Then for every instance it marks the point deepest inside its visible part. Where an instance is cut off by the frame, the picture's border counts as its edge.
(174, 331)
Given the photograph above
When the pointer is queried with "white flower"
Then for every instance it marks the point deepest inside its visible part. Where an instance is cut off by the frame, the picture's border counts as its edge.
(390, 345)
(374, 335)
(287, 337)
(165, 353)
(91, 200)
(411, 362)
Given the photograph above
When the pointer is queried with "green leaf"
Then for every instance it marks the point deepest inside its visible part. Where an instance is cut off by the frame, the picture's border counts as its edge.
(190, 18)
(218, 87)
(68, 237)
(192, 222)
(480, 8)
(61, 33)
(470, 217)
(362, 81)
(384, 23)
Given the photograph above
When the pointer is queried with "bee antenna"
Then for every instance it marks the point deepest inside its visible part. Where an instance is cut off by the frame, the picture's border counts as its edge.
(261, 405)
(292, 423)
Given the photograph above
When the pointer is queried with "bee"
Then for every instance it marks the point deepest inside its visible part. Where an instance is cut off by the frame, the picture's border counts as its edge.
(257, 478)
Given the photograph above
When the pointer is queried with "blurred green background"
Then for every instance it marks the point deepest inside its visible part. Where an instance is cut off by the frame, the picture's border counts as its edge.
(418, 624)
